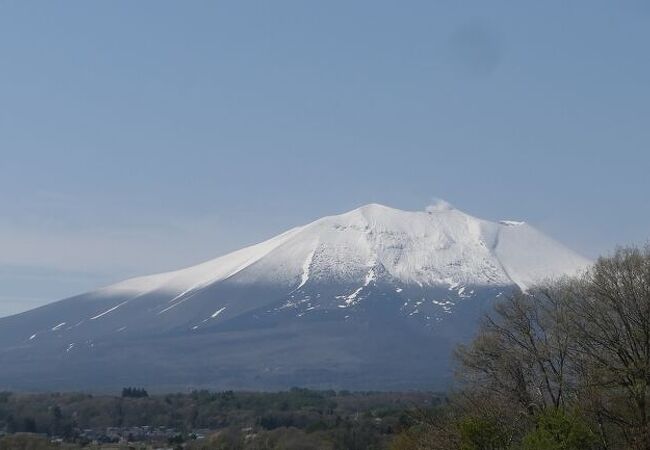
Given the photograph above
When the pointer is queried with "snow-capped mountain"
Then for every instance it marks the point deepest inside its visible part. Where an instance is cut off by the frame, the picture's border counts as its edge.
(373, 298)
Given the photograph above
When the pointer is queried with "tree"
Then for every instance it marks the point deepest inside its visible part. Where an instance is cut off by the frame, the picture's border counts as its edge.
(134, 392)
(523, 350)
(483, 434)
(56, 418)
(613, 339)
(559, 430)
(577, 343)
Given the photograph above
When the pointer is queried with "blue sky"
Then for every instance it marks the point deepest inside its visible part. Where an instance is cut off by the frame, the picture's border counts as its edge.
(144, 136)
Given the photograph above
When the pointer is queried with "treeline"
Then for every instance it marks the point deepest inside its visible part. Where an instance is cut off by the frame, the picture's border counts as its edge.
(132, 392)
(295, 419)
(564, 366)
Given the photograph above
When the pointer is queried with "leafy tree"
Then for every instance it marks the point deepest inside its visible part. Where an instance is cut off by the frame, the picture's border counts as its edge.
(25, 442)
(481, 434)
(612, 318)
(558, 430)
(578, 343)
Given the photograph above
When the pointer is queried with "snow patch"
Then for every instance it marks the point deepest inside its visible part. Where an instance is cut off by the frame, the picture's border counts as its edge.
(108, 311)
(219, 311)
(178, 303)
(202, 275)
(350, 298)
(58, 327)
(305, 268)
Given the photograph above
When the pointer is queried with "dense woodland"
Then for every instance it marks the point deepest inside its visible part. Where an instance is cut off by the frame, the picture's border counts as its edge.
(563, 366)
(297, 419)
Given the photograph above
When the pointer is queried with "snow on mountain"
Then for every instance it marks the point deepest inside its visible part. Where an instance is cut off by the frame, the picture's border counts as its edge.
(375, 298)
(439, 246)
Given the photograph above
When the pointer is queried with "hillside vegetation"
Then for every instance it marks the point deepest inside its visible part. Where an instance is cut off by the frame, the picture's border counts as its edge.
(297, 419)
(564, 366)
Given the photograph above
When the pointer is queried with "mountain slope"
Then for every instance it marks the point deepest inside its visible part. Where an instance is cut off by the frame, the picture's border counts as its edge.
(414, 247)
(373, 298)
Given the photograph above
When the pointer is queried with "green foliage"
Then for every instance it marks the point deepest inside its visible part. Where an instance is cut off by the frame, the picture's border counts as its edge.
(482, 434)
(356, 436)
(405, 441)
(25, 442)
(298, 419)
(574, 344)
(228, 439)
(559, 430)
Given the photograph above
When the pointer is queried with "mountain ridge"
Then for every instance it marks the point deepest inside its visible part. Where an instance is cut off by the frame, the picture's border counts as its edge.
(370, 212)
(374, 298)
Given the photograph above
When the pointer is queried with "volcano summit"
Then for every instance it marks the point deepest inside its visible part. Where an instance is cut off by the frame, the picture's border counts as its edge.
(375, 298)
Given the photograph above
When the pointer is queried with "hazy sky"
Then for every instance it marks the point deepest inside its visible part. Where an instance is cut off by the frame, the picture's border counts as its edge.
(144, 136)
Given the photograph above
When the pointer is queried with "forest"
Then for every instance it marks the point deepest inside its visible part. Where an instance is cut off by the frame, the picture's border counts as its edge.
(296, 419)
